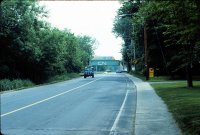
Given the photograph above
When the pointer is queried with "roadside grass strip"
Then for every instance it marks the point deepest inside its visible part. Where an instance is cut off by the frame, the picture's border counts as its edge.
(183, 103)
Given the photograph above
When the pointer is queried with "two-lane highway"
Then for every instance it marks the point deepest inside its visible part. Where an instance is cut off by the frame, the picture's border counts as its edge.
(93, 106)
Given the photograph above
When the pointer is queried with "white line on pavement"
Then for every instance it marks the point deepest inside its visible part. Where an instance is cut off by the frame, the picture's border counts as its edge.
(49, 98)
(113, 129)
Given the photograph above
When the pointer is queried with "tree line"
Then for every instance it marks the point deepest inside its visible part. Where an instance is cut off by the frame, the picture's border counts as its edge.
(165, 35)
(30, 48)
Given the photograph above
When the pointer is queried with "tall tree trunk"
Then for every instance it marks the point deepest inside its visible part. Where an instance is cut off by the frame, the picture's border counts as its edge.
(189, 75)
(128, 66)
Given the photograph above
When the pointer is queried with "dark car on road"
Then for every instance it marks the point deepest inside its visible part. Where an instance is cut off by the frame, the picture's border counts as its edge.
(89, 71)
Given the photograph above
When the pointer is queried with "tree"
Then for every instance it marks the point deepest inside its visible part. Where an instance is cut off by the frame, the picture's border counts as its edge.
(155, 55)
(185, 22)
(172, 29)
(177, 23)
(123, 28)
(86, 46)
(18, 23)
(32, 49)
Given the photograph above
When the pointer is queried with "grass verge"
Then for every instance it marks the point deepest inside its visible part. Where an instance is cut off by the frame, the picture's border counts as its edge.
(183, 103)
(154, 79)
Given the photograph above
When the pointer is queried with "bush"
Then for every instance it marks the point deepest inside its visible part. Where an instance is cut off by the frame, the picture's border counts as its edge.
(7, 84)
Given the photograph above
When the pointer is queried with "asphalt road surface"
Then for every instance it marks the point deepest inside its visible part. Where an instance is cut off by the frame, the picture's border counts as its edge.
(104, 105)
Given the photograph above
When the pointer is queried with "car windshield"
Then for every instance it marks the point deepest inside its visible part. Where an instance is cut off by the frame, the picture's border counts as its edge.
(88, 69)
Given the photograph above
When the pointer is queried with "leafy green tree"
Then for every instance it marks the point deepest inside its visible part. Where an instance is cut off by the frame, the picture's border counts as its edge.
(125, 28)
(178, 25)
(31, 48)
(86, 46)
(18, 22)
(155, 54)
(52, 47)
(73, 63)
(184, 30)
(172, 30)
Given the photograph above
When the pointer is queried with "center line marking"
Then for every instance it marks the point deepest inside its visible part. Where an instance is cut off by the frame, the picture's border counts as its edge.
(49, 98)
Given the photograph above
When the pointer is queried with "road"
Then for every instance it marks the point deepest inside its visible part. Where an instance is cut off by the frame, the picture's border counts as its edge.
(104, 105)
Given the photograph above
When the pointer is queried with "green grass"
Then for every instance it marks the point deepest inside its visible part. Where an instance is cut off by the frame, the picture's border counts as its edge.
(154, 79)
(159, 79)
(183, 103)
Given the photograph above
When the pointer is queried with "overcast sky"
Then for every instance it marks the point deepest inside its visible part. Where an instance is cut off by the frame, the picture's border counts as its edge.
(92, 18)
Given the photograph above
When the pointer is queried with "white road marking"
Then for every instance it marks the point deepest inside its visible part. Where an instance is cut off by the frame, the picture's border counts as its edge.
(49, 98)
(113, 129)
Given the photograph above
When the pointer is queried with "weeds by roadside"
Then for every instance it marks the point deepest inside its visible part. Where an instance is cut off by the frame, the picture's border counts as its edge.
(17, 84)
(7, 84)
(63, 77)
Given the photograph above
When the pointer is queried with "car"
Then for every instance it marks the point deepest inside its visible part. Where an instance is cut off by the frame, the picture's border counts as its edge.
(119, 71)
(89, 71)
(108, 70)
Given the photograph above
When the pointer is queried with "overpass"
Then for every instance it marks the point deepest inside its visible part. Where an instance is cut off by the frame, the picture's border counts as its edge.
(105, 63)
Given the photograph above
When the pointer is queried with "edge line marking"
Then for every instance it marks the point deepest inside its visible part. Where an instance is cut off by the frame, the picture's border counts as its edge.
(113, 129)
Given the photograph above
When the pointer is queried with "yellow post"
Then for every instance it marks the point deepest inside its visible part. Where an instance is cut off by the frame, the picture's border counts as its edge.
(151, 72)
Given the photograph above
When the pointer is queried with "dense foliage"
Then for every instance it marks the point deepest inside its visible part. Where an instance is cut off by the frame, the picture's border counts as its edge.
(172, 35)
(7, 84)
(31, 48)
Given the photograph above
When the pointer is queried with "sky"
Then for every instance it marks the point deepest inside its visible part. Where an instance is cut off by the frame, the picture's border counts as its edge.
(92, 18)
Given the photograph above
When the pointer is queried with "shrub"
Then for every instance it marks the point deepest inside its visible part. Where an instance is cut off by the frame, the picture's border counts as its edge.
(7, 84)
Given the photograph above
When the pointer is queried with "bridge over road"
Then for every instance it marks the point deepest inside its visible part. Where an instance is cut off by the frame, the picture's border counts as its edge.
(103, 63)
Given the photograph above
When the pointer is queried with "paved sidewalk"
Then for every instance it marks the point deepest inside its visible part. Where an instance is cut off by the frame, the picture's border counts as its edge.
(152, 116)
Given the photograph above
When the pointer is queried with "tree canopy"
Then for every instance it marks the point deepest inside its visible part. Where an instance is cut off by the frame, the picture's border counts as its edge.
(31, 48)
(172, 29)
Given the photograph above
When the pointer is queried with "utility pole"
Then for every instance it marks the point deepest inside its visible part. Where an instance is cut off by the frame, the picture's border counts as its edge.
(145, 52)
